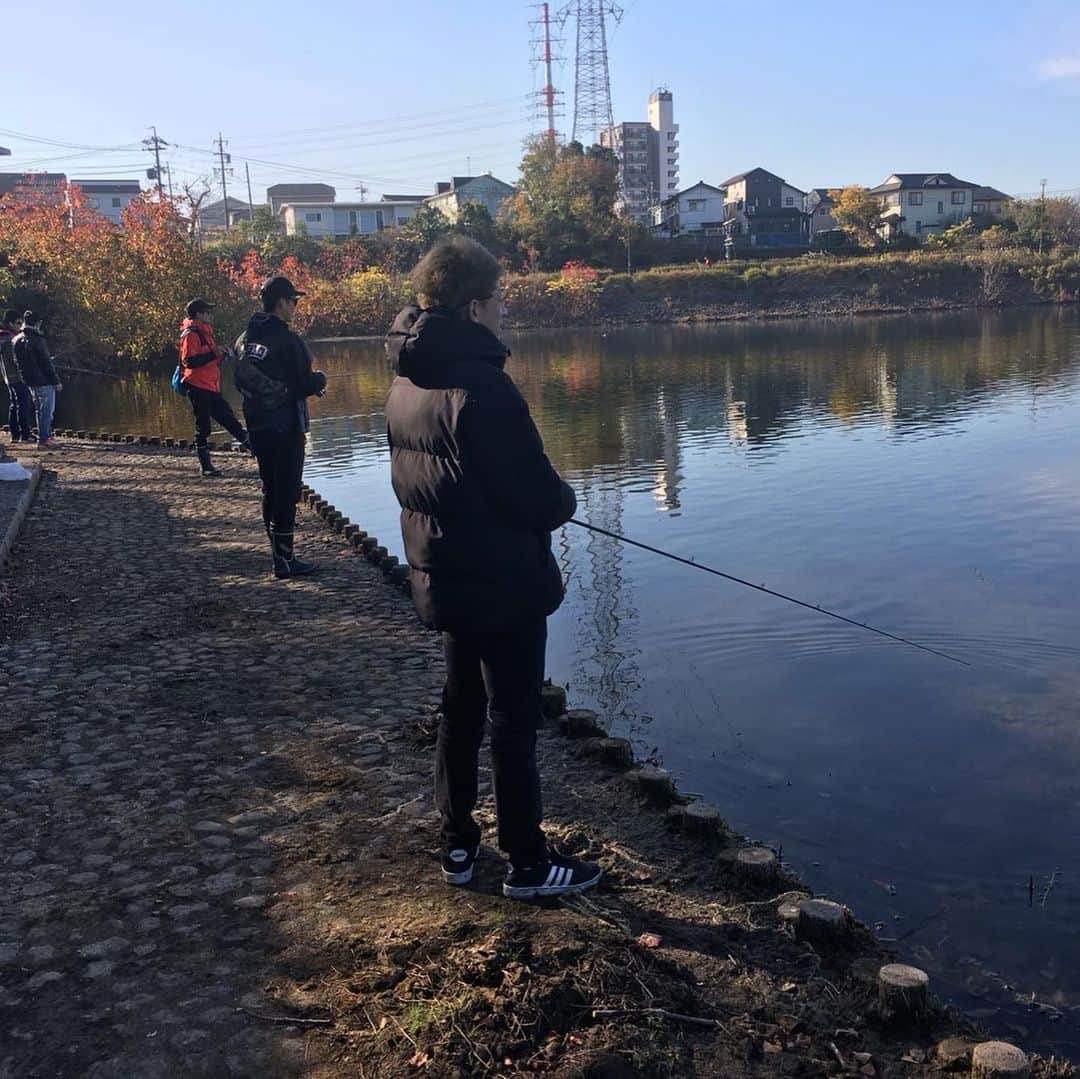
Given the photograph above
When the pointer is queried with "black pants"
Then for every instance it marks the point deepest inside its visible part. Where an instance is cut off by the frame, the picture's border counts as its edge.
(20, 411)
(281, 469)
(498, 676)
(209, 405)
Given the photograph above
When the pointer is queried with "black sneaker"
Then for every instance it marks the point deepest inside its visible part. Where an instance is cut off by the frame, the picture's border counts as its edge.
(557, 875)
(211, 471)
(457, 865)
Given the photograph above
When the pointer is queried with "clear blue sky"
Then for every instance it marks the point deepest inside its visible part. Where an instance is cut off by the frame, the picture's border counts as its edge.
(400, 96)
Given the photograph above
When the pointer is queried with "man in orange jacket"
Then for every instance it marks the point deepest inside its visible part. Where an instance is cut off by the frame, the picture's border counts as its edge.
(200, 363)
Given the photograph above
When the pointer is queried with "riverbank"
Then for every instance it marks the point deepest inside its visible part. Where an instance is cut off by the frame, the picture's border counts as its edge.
(220, 857)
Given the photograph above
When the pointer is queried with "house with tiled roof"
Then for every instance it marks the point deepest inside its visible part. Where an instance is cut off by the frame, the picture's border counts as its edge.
(920, 204)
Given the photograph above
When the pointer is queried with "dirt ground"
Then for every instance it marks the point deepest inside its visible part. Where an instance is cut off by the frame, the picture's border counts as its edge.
(218, 855)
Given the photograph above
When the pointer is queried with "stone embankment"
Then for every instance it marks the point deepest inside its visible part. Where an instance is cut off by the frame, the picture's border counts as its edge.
(218, 855)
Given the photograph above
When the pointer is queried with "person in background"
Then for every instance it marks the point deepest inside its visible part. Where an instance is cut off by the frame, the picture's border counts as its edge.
(200, 364)
(34, 361)
(275, 377)
(20, 407)
(479, 500)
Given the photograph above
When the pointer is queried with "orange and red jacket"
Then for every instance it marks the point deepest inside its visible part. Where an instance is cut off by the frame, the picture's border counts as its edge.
(200, 358)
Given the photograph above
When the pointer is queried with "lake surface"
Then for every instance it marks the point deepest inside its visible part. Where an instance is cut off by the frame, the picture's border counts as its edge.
(916, 473)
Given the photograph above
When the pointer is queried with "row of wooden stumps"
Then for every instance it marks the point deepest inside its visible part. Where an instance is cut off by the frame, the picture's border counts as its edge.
(365, 544)
(141, 440)
(903, 991)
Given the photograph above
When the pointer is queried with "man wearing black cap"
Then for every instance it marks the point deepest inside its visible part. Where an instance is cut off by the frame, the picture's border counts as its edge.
(34, 360)
(200, 365)
(274, 375)
(20, 407)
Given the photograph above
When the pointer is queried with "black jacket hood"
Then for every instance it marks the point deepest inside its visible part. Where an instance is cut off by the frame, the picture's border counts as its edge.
(265, 322)
(422, 343)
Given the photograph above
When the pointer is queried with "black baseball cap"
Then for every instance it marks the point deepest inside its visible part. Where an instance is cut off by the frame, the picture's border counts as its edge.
(278, 288)
(198, 306)
(31, 318)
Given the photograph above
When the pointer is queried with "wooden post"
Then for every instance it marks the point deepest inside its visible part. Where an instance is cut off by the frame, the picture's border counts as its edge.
(655, 783)
(583, 723)
(702, 818)
(999, 1060)
(903, 991)
(617, 752)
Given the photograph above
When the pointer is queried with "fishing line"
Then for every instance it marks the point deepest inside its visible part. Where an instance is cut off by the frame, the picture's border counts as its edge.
(769, 592)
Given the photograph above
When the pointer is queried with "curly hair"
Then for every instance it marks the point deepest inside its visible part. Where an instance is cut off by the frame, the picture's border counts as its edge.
(455, 271)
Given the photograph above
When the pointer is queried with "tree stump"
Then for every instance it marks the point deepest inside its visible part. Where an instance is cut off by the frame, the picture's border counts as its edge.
(757, 863)
(389, 564)
(822, 922)
(553, 700)
(401, 575)
(350, 530)
(788, 910)
(583, 723)
(903, 991)
(655, 783)
(702, 818)
(379, 555)
(616, 751)
(999, 1060)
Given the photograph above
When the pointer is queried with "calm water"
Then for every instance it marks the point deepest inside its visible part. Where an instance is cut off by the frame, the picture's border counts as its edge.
(916, 473)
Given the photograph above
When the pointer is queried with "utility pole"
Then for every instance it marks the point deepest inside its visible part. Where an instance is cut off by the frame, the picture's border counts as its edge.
(168, 172)
(224, 158)
(1042, 214)
(549, 86)
(251, 202)
(155, 144)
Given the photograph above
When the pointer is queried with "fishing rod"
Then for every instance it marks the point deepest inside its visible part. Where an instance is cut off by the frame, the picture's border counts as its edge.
(768, 591)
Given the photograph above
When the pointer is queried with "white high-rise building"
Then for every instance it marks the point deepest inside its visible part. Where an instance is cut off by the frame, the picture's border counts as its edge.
(648, 155)
(662, 121)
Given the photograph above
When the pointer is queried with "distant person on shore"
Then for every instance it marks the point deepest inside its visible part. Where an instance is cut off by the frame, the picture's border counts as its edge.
(20, 407)
(35, 362)
(275, 376)
(479, 500)
(200, 365)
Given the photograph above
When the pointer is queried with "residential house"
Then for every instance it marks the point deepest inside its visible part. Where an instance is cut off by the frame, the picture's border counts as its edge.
(989, 203)
(212, 216)
(763, 210)
(450, 198)
(920, 204)
(296, 194)
(697, 209)
(28, 186)
(109, 198)
(818, 207)
(340, 220)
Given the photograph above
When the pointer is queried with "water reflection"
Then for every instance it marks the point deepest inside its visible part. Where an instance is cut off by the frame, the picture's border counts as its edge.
(916, 473)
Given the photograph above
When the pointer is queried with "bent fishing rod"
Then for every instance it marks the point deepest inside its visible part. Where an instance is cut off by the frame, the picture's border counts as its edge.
(768, 591)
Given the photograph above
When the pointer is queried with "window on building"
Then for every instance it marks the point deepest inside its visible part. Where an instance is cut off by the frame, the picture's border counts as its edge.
(918, 226)
(915, 198)
(941, 207)
(673, 172)
(312, 217)
(959, 198)
(695, 205)
(823, 210)
(117, 203)
(789, 200)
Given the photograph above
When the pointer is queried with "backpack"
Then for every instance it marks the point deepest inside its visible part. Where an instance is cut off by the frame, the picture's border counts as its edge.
(177, 382)
(263, 393)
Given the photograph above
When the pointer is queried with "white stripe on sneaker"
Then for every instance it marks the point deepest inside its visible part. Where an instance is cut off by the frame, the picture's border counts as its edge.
(552, 877)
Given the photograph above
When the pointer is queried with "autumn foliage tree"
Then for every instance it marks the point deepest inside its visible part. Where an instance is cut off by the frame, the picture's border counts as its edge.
(564, 210)
(107, 290)
(857, 211)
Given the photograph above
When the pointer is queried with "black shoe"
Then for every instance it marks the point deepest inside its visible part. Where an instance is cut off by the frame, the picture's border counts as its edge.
(211, 471)
(457, 865)
(293, 567)
(556, 875)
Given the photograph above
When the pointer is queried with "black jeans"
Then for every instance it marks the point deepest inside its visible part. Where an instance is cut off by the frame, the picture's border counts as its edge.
(20, 411)
(498, 676)
(281, 469)
(209, 405)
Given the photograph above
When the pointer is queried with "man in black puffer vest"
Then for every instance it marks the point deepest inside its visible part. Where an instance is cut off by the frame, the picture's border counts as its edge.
(479, 499)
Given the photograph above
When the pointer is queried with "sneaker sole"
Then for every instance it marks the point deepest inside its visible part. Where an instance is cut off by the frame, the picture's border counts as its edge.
(547, 890)
(457, 879)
